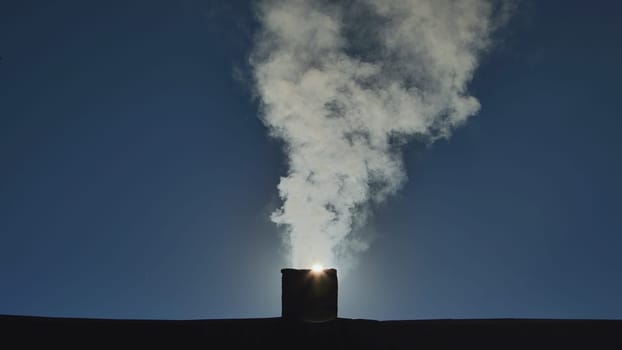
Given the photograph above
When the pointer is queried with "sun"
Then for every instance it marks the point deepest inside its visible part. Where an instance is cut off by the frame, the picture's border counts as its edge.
(317, 268)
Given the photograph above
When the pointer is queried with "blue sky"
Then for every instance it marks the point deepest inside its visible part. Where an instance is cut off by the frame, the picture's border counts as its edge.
(137, 180)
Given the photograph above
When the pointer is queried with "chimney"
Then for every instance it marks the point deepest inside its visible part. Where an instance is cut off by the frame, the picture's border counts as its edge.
(308, 295)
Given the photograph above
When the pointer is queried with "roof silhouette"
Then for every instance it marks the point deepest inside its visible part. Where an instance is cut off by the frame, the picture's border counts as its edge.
(342, 333)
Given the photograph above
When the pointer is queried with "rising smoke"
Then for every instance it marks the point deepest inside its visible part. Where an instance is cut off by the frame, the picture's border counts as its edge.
(345, 84)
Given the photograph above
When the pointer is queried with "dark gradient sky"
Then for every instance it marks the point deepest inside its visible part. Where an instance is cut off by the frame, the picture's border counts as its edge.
(136, 179)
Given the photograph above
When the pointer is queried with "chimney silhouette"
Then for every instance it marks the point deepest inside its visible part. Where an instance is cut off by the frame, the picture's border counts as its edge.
(309, 296)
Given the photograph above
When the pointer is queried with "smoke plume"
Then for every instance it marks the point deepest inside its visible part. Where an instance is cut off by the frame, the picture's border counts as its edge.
(345, 84)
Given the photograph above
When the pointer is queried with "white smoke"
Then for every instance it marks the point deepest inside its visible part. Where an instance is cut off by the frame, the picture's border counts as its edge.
(344, 84)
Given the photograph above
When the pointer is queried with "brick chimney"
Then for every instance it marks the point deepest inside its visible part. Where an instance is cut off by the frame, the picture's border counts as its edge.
(308, 295)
